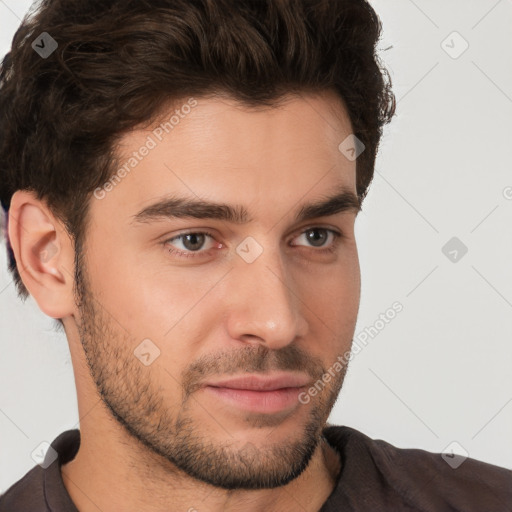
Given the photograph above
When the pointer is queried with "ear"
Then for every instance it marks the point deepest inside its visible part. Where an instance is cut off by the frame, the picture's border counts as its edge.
(44, 254)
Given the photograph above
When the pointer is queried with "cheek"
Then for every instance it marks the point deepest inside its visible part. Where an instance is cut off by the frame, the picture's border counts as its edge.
(331, 304)
(333, 286)
(170, 307)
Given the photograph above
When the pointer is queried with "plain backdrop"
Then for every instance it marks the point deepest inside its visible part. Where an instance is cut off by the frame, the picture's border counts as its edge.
(440, 371)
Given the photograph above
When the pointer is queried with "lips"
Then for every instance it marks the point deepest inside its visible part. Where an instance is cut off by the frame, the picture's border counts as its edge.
(263, 394)
(263, 382)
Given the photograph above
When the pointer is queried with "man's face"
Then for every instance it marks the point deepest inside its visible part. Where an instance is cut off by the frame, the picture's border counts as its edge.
(168, 312)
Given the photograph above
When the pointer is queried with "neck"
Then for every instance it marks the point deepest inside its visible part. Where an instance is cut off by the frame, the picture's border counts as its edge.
(114, 471)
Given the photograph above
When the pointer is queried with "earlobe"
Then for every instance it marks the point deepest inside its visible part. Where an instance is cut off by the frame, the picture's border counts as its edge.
(43, 253)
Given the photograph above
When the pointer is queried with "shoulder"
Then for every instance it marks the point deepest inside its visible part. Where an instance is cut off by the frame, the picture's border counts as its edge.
(25, 494)
(42, 488)
(418, 478)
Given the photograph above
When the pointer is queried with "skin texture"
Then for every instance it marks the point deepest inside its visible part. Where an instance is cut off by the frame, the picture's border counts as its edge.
(153, 437)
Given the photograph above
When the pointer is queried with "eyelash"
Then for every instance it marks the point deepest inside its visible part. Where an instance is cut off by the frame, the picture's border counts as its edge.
(192, 254)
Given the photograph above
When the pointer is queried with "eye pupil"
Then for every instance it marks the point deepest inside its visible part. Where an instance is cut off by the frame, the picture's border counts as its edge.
(193, 237)
(314, 239)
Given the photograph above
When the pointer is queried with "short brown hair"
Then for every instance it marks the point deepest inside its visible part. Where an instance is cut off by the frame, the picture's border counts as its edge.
(119, 61)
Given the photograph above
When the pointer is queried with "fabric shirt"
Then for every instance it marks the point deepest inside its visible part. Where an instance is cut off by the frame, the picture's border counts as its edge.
(375, 476)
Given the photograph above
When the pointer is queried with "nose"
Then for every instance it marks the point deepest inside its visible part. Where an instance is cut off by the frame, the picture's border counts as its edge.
(264, 308)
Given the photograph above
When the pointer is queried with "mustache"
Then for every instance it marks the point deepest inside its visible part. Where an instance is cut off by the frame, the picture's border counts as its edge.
(250, 359)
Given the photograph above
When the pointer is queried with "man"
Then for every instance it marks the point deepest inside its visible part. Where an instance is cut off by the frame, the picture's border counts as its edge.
(182, 180)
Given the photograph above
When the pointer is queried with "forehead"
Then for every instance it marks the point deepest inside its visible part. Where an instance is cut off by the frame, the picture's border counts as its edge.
(217, 148)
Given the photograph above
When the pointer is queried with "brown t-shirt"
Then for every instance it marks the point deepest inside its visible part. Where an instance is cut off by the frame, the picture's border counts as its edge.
(375, 477)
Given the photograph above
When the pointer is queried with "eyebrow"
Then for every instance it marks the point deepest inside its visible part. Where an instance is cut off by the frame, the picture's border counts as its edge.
(180, 207)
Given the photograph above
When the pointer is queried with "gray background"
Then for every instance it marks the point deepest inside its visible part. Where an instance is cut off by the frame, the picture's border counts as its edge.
(440, 371)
